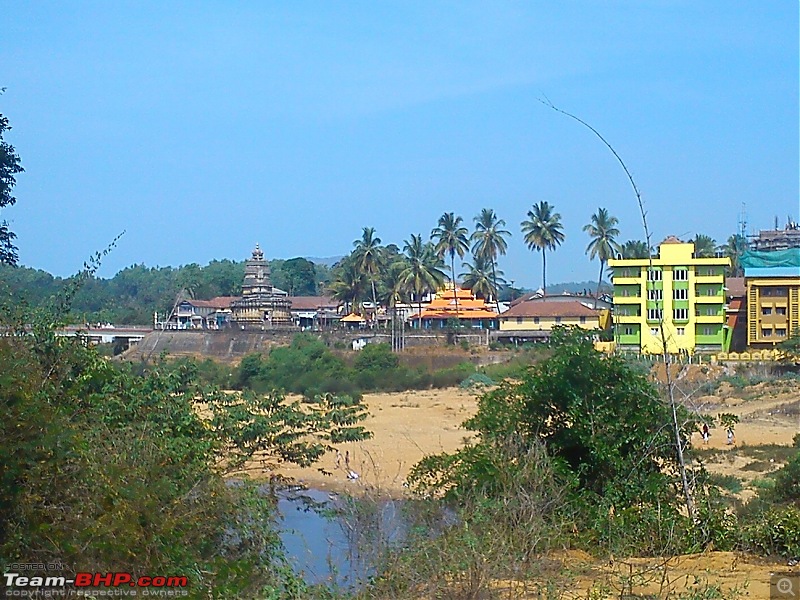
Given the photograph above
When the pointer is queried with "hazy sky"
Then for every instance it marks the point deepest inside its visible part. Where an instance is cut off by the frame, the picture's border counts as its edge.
(201, 128)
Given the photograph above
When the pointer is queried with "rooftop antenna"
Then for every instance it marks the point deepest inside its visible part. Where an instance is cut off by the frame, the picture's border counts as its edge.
(743, 221)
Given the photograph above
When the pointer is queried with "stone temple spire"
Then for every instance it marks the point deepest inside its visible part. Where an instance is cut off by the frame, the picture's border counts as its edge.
(257, 253)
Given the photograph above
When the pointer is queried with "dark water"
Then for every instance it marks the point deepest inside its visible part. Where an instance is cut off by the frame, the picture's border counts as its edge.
(336, 540)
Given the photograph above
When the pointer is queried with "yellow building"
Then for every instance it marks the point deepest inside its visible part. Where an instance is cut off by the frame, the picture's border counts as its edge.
(773, 296)
(688, 292)
(534, 319)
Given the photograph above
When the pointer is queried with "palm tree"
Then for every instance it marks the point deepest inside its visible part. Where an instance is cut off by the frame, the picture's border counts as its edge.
(489, 242)
(603, 232)
(704, 246)
(733, 249)
(348, 283)
(635, 249)
(543, 230)
(481, 278)
(369, 258)
(451, 238)
(424, 270)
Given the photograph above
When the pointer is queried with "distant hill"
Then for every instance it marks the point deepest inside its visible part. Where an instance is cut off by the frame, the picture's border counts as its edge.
(328, 261)
(576, 287)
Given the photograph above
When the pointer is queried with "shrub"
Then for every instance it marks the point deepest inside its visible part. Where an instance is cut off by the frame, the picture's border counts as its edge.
(776, 532)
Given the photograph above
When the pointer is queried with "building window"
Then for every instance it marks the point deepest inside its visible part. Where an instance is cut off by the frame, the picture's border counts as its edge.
(536, 320)
(780, 310)
(654, 331)
(780, 332)
(519, 320)
(583, 319)
(766, 310)
(558, 319)
(655, 294)
(680, 314)
(653, 275)
(711, 292)
(680, 274)
(708, 331)
(681, 330)
(680, 294)
(653, 314)
(629, 331)
(766, 333)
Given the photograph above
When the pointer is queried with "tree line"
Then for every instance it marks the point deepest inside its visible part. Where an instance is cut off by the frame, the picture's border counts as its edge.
(386, 275)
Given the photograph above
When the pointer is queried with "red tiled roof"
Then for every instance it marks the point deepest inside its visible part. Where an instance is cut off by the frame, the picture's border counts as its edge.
(736, 287)
(219, 302)
(550, 309)
(312, 302)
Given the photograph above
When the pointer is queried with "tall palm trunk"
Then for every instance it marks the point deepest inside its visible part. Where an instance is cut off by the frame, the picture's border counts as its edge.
(374, 305)
(496, 292)
(599, 280)
(453, 270)
(544, 271)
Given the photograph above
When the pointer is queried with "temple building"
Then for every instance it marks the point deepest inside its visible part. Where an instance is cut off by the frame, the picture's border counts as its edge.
(261, 304)
(450, 305)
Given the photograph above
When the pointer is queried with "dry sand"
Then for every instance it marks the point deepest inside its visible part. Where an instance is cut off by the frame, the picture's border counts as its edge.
(410, 425)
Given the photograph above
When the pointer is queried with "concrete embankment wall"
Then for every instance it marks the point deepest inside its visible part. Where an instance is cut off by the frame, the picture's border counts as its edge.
(232, 345)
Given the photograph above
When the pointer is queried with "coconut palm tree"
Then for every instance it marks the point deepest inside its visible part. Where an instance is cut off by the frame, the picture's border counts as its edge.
(704, 246)
(348, 284)
(482, 278)
(733, 249)
(424, 270)
(635, 249)
(603, 232)
(451, 238)
(489, 242)
(368, 255)
(543, 230)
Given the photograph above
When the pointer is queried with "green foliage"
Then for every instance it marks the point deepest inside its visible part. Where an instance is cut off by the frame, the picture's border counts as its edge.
(497, 532)
(775, 532)
(606, 433)
(787, 482)
(117, 471)
(9, 167)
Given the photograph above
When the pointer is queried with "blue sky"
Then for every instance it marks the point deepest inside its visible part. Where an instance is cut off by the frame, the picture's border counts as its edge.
(201, 128)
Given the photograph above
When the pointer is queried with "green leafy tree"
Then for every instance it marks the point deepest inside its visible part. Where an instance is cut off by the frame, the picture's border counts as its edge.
(300, 277)
(704, 246)
(635, 249)
(489, 243)
(368, 255)
(157, 448)
(451, 239)
(734, 248)
(10, 167)
(348, 283)
(481, 278)
(603, 424)
(543, 230)
(424, 270)
(603, 231)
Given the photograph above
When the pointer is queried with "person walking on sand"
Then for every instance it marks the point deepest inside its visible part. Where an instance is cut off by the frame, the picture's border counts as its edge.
(731, 440)
(706, 433)
(347, 459)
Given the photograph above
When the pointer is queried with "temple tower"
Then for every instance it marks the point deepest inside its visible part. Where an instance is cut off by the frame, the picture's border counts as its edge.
(261, 304)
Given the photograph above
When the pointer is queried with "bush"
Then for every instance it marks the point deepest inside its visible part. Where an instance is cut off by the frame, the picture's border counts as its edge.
(776, 532)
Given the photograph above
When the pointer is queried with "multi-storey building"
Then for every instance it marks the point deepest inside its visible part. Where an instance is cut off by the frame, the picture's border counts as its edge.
(686, 293)
(773, 296)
